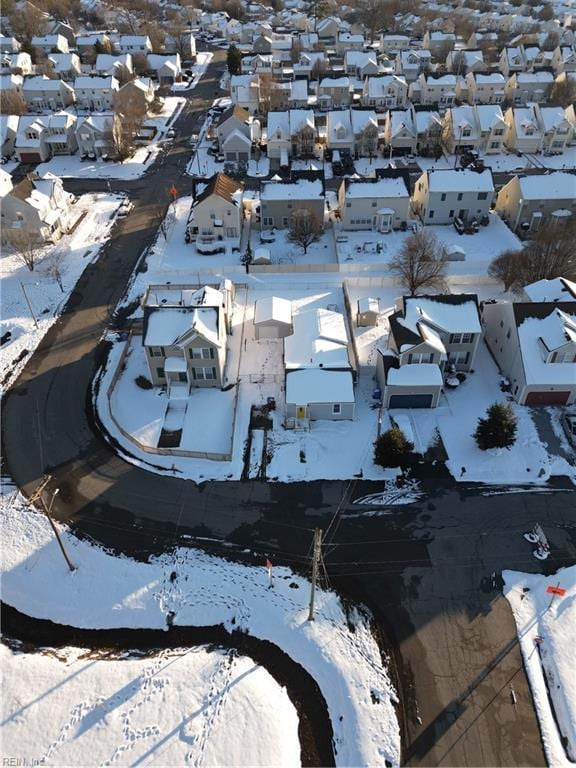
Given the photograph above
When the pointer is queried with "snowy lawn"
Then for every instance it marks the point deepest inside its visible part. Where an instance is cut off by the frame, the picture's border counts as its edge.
(202, 61)
(178, 707)
(361, 247)
(282, 251)
(71, 254)
(71, 166)
(208, 591)
(547, 635)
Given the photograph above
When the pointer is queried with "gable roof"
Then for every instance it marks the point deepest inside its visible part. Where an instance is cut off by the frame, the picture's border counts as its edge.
(222, 186)
(234, 111)
(423, 317)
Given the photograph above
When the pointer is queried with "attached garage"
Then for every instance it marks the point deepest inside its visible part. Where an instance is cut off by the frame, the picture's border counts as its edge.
(547, 398)
(30, 157)
(410, 401)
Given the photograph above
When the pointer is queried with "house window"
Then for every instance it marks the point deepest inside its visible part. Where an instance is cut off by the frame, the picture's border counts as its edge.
(458, 358)
(268, 221)
(285, 221)
(201, 353)
(204, 374)
(182, 376)
(494, 144)
(431, 214)
(336, 409)
(557, 144)
(160, 373)
(156, 351)
(443, 196)
(498, 131)
(455, 338)
(451, 213)
(416, 358)
(460, 195)
(467, 338)
(482, 195)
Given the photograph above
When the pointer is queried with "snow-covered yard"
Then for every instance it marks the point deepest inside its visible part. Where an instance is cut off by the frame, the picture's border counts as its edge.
(177, 707)
(72, 254)
(202, 60)
(547, 633)
(207, 591)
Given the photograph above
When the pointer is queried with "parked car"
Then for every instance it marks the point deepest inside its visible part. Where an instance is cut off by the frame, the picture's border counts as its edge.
(125, 209)
(459, 225)
(170, 133)
(569, 425)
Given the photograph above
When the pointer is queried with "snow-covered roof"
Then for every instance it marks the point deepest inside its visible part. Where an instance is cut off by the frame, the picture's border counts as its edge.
(43, 83)
(551, 186)
(319, 340)
(170, 326)
(552, 117)
(494, 78)
(460, 181)
(362, 118)
(338, 125)
(95, 83)
(523, 78)
(368, 304)
(175, 365)
(554, 330)
(379, 85)
(412, 375)
(335, 82)
(302, 189)
(557, 289)
(317, 386)
(489, 115)
(460, 316)
(273, 308)
(383, 188)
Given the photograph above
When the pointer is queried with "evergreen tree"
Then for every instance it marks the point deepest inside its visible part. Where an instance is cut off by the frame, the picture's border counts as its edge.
(498, 429)
(392, 449)
(234, 60)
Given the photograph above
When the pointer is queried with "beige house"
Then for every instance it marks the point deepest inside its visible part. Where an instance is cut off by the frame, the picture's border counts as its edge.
(41, 93)
(278, 201)
(400, 131)
(96, 93)
(524, 87)
(485, 88)
(534, 343)
(427, 333)
(527, 202)
(440, 90)
(216, 212)
(185, 331)
(234, 118)
(379, 206)
(334, 92)
(135, 94)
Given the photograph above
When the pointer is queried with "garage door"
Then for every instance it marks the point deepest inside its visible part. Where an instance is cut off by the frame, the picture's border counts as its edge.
(410, 401)
(547, 398)
(29, 157)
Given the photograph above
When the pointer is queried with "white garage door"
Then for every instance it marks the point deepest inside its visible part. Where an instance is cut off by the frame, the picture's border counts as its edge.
(268, 332)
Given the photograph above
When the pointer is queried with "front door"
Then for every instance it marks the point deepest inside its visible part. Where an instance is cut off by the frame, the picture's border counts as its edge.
(463, 214)
(385, 222)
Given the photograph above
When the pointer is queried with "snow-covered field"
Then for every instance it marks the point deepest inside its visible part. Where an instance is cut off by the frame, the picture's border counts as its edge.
(547, 635)
(73, 253)
(107, 591)
(187, 706)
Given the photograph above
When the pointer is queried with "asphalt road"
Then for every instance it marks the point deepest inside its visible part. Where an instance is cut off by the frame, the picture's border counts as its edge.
(426, 571)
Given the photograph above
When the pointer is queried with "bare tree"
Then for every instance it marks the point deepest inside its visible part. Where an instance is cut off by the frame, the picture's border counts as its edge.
(28, 21)
(53, 266)
(124, 127)
(552, 253)
(123, 75)
(318, 69)
(303, 141)
(139, 63)
(563, 91)
(374, 14)
(267, 86)
(458, 66)
(25, 245)
(12, 103)
(305, 228)
(421, 262)
(295, 51)
(369, 141)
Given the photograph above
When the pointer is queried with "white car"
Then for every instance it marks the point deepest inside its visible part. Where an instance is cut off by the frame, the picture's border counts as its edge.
(125, 208)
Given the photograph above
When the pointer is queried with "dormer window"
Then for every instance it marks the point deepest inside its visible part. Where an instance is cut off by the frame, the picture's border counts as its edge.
(529, 130)
(466, 132)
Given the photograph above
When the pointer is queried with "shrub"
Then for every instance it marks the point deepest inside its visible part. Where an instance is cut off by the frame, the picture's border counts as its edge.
(143, 382)
(498, 429)
(392, 449)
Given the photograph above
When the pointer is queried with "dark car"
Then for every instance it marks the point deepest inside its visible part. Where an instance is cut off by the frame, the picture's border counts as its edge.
(459, 225)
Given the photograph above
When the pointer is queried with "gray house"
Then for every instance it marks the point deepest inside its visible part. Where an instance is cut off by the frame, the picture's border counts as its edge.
(426, 334)
(279, 201)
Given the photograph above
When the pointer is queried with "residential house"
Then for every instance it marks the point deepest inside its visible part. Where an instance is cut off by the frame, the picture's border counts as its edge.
(9, 44)
(112, 64)
(524, 131)
(493, 128)
(95, 93)
(429, 129)
(290, 134)
(485, 89)
(440, 196)
(524, 87)
(361, 64)
(438, 43)
(86, 44)
(439, 90)
(564, 59)
(135, 44)
(512, 59)
(30, 143)
(185, 335)
(411, 63)
(461, 129)
(385, 92)
(557, 129)
(16, 63)
(366, 130)
(245, 91)
(400, 131)
(216, 212)
(233, 119)
(135, 94)
(319, 374)
(334, 92)
(534, 343)
(167, 67)
(183, 43)
(94, 136)
(8, 129)
(554, 290)
(66, 65)
(10, 82)
(392, 45)
(308, 62)
(50, 43)
(345, 41)
(279, 201)
(380, 206)
(60, 134)
(339, 133)
(328, 28)
(461, 62)
(42, 93)
(38, 206)
(527, 202)
(427, 333)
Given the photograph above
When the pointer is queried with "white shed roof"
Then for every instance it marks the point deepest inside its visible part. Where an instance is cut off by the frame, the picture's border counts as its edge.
(273, 309)
(424, 374)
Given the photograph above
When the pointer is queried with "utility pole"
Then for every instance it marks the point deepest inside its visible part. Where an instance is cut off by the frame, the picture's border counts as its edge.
(315, 563)
(38, 496)
(29, 305)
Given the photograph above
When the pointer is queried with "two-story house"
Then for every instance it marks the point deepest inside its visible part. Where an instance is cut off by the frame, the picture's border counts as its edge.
(361, 64)
(438, 90)
(60, 134)
(279, 201)
(440, 196)
(534, 343)
(412, 63)
(380, 206)
(385, 92)
(94, 136)
(65, 65)
(523, 129)
(290, 134)
(50, 43)
(95, 93)
(485, 88)
(400, 131)
(461, 129)
(216, 211)
(41, 93)
(30, 144)
(492, 128)
(527, 202)
(245, 91)
(524, 87)
(366, 130)
(135, 44)
(334, 92)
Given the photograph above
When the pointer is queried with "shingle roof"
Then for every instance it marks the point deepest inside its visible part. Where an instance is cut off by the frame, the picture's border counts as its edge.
(220, 185)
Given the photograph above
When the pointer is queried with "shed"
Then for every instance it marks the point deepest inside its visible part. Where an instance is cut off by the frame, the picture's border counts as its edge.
(272, 318)
(368, 311)
(262, 255)
(455, 253)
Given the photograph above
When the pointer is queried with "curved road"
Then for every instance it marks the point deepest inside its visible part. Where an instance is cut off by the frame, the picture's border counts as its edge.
(425, 571)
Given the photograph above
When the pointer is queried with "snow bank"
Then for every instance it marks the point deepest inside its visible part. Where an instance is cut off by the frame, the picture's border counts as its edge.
(107, 591)
(547, 635)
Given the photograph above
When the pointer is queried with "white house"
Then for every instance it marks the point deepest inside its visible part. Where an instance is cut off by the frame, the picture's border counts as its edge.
(135, 44)
(400, 131)
(385, 91)
(524, 131)
(96, 93)
(440, 196)
(411, 63)
(525, 87)
(440, 90)
(245, 91)
(279, 201)
(50, 43)
(334, 92)
(41, 93)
